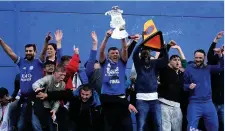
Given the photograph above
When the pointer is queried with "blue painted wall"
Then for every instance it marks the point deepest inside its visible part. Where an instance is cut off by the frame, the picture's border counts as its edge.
(192, 25)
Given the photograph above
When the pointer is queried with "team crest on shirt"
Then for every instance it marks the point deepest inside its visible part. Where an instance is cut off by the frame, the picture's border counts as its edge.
(31, 68)
(24, 67)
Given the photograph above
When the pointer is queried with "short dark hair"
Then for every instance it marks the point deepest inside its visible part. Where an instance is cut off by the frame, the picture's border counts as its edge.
(85, 87)
(112, 48)
(60, 68)
(50, 62)
(65, 58)
(174, 56)
(3, 92)
(53, 45)
(31, 45)
(200, 51)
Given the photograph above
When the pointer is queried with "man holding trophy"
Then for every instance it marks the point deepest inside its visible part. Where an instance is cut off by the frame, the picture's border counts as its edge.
(116, 108)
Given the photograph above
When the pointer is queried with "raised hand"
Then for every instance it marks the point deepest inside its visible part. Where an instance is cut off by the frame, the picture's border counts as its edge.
(58, 35)
(48, 37)
(94, 37)
(109, 33)
(218, 36)
(175, 46)
(172, 43)
(76, 50)
(137, 37)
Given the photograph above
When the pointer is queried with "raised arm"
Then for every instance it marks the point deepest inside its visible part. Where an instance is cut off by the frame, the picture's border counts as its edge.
(180, 51)
(131, 48)
(168, 46)
(91, 61)
(8, 50)
(102, 56)
(132, 45)
(211, 57)
(73, 65)
(136, 58)
(58, 38)
(44, 50)
(124, 54)
(162, 62)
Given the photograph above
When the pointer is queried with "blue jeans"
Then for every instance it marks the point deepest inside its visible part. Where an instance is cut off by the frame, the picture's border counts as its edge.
(220, 113)
(34, 120)
(151, 109)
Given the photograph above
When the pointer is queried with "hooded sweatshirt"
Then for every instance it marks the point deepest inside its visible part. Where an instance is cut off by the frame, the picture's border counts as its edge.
(201, 77)
(146, 81)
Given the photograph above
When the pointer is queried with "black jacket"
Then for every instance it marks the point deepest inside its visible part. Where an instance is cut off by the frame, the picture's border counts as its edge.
(217, 79)
(85, 115)
(171, 84)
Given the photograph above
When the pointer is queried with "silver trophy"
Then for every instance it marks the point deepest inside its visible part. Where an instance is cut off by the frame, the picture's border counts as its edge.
(117, 22)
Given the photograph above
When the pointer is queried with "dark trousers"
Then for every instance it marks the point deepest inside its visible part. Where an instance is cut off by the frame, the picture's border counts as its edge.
(62, 117)
(48, 117)
(117, 118)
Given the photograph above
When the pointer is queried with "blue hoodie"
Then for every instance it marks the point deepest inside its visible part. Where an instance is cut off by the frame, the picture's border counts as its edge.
(96, 101)
(146, 81)
(84, 79)
(201, 77)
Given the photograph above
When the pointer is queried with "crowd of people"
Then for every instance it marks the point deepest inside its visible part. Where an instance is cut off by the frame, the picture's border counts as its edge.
(165, 93)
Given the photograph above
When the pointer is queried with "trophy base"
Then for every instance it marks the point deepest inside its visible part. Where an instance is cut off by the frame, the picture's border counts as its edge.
(119, 34)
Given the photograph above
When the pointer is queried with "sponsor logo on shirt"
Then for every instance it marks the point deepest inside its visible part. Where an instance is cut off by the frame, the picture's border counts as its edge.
(113, 74)
(26, 77)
